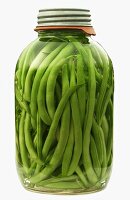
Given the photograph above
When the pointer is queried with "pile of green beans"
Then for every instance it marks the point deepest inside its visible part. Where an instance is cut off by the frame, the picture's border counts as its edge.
(64, 114)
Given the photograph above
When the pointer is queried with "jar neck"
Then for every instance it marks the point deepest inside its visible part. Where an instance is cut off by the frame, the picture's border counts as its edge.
(62, 33)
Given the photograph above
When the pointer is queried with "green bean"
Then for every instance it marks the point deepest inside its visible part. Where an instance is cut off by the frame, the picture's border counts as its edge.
(58, 92)
(37, 169)
(110, 160)
(106, 100)
(33, 123)
(104, 164)
(23, 104)
(87, 57)
(105, 128)
(28, 140)
(103, 87)
(68, 151)
(76, 123)
(95, 157)
(66, 157)
(82, 90)
(50, 46)
(58, 179)
(98, 139)
(35, 86)
(100, 144)
(65, 185)
(35, 141)
(39, 137)
(23, 149)
(96, 55)
(20, 64)
(17, 155)
(33, 50)
(56, 119)
(32, 168)
(42, 89)
(50, 100)
(110, 134)
(82, 177)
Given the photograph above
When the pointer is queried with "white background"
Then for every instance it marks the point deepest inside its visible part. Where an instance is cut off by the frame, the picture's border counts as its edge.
(111, 22)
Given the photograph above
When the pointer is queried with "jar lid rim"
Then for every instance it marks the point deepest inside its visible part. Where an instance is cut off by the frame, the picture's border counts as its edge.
(64, 17)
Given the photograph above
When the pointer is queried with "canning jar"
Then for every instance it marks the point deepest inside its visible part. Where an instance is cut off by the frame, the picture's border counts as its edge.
(64, 106)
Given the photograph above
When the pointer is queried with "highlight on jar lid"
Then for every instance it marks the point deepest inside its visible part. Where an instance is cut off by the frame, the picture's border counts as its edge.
(64, 17)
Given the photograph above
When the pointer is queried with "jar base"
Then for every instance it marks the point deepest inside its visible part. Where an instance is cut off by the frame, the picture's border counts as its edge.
(55, 191)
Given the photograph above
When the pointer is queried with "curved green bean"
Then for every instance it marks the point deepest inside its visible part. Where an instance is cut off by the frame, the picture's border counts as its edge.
(35, 47)
(58, 179)
(96, 129)
(28, 140)
(22, 145)
(96, 56)
(39, 136)
(40, 71)
(82, 90)
(82, 177)
(68, 151)
(110, 133)
(76, 122)
(54, 125)
(65, 185)
(105, 128)
(42, 88)
(103, 87)
(95, 157)
(20, 64)
(50, 46)
(23, 104)
(50, 100)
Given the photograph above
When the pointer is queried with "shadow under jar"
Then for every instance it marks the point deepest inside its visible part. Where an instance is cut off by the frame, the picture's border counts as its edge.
(64, 107)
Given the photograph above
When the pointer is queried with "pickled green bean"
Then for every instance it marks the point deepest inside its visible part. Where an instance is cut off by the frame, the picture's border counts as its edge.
(50, 46)
(28, 140)
(23, 104)
(23, 149)
(105, 128)
(98, 139)
(36, 83)
(76, 122)
(103, 88)
(35, 47)
(66, 51)
(95, 157)
(65, 185)
(52, 80)
(68, 151)
(54, 125)
(82, 90)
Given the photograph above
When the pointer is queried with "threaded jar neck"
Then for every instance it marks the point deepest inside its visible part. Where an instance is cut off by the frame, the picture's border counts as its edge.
(64, 17)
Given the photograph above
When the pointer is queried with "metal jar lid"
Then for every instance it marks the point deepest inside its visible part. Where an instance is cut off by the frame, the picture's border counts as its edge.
(64, 17)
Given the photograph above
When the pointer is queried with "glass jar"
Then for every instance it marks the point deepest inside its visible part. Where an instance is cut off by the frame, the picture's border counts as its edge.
(64, 107)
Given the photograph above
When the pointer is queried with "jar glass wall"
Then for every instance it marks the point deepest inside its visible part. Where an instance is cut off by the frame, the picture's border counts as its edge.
(64, 113)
